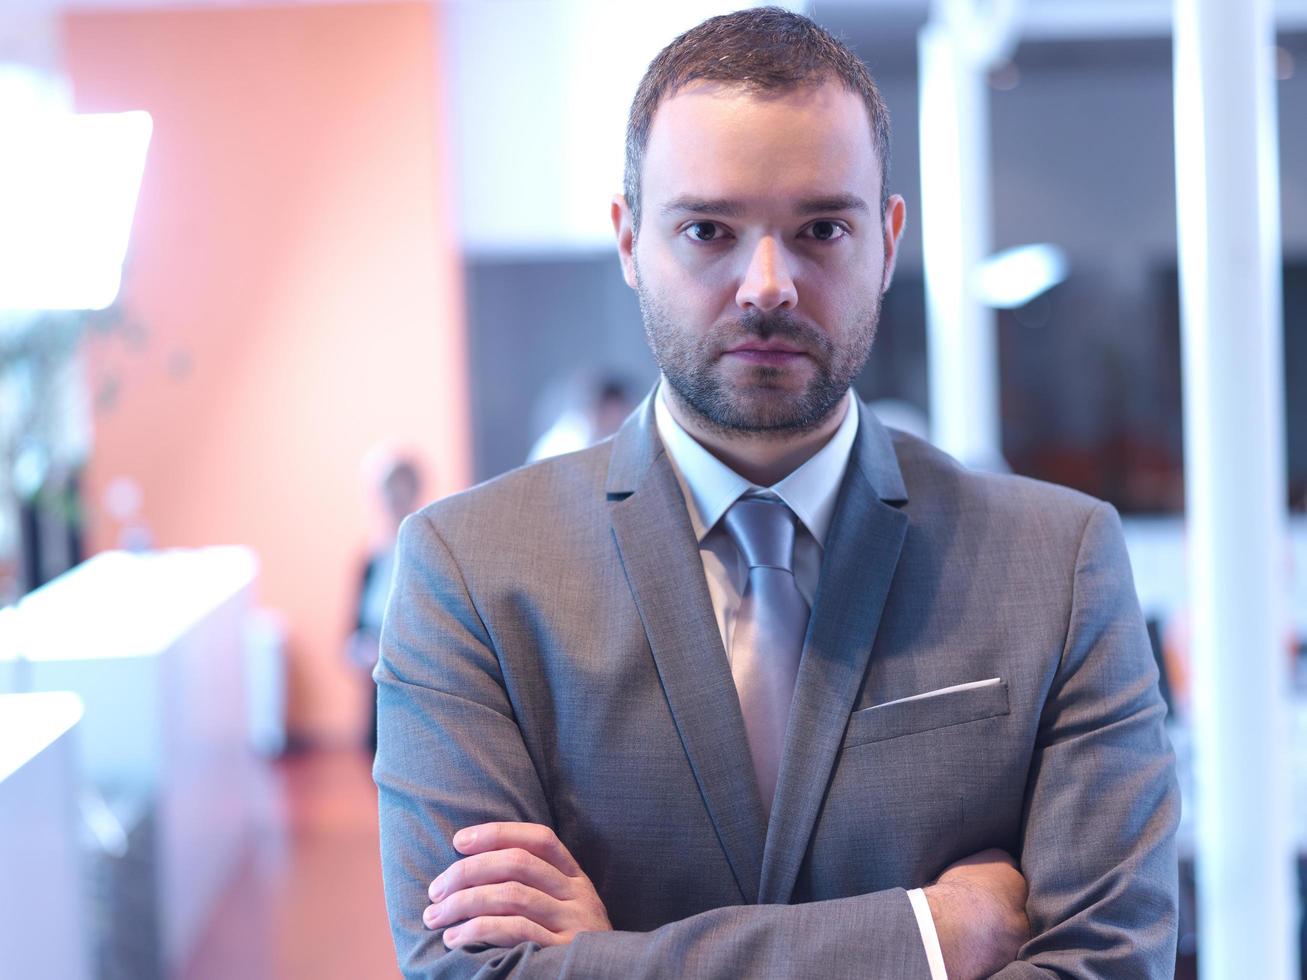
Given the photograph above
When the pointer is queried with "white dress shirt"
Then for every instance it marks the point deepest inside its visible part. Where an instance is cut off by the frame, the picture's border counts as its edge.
(710, 487)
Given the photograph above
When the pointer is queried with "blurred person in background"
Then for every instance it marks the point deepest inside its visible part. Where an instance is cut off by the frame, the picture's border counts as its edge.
(759, 688)
(603, 407)
(396, 484)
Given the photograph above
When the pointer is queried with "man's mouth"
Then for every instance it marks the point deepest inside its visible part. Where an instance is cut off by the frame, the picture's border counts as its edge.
(767, 352)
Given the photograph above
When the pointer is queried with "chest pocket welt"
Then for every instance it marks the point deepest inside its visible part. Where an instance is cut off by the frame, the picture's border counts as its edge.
(885, 721)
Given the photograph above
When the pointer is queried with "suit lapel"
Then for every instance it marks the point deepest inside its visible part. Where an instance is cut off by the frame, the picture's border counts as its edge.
(861, 552)
(661, 559)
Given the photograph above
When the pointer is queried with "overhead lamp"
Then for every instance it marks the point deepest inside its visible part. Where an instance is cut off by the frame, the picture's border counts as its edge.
(1012, 278)
(68, 190)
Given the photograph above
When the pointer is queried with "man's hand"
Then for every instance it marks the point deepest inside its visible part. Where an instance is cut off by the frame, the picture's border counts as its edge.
(517, 884)
(979, 908)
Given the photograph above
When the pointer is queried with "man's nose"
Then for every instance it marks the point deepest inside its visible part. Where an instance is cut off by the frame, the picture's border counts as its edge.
(767, 284)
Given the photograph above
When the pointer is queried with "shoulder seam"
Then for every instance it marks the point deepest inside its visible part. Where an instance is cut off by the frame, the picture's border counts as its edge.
(462, 581)
(1098, 506)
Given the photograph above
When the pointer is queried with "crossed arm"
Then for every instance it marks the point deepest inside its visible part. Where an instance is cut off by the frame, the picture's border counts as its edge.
(519, 883)
(512, 900)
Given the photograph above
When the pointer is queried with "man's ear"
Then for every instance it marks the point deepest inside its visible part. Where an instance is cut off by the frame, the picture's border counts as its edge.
(896, 216)
(624, 227)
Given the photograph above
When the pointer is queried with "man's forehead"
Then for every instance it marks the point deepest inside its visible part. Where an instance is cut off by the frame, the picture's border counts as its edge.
(719, 140)
(706, 114)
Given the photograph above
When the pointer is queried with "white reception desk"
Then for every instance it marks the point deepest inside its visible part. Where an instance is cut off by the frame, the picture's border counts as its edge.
(153, 645)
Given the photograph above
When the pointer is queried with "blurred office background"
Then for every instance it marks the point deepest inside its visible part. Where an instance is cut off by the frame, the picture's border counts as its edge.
(365, 258)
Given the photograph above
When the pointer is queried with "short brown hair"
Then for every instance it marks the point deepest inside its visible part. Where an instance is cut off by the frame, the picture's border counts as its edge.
(765, 49)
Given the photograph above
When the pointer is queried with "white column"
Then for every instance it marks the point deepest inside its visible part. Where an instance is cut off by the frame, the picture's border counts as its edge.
(955, 228)
(1229, 240)
(956, 49)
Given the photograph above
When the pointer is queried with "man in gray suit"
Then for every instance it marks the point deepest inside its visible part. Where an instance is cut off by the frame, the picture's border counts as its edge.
(758, 688)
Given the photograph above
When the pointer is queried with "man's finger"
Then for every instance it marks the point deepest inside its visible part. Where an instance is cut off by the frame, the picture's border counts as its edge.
(508, 898)
(534, 837)
(502, 931)
(511, 864)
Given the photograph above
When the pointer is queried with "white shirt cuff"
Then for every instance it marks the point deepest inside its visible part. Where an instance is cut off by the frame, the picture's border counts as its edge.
(929, 937)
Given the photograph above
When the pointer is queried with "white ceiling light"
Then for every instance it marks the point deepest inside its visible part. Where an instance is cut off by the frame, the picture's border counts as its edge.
(1012, 278)
(68, 189)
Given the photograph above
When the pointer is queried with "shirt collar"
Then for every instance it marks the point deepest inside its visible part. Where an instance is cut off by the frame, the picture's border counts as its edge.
(710, 486)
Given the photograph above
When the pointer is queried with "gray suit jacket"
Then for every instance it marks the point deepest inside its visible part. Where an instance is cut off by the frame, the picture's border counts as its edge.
(550, 654)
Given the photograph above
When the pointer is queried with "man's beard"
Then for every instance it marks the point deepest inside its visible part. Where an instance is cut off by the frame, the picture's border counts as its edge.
(691, 366)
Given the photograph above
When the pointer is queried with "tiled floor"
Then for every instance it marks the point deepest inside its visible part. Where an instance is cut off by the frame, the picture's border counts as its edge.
(307, 902)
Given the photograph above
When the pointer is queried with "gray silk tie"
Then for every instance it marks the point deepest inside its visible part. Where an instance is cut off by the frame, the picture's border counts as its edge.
(767, 641)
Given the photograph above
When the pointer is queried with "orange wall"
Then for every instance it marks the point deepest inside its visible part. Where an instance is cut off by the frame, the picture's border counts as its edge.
(293, 269)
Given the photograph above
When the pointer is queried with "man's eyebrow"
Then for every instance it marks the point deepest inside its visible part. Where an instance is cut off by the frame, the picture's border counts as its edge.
(832, 203)
(700, 205)
(826, 204)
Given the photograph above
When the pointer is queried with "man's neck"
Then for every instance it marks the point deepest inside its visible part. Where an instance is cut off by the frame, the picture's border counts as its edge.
(762, 458)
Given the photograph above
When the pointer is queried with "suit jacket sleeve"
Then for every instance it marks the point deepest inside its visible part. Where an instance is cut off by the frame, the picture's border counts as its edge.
(1102, 802)
(451, 755)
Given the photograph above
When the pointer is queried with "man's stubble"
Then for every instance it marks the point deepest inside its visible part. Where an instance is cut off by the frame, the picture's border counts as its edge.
(690, 363)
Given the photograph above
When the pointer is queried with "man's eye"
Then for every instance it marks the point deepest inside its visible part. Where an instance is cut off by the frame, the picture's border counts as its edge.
(826, 231)
(705, 231)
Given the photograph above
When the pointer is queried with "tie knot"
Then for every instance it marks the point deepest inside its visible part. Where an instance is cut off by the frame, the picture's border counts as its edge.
(763, 528)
